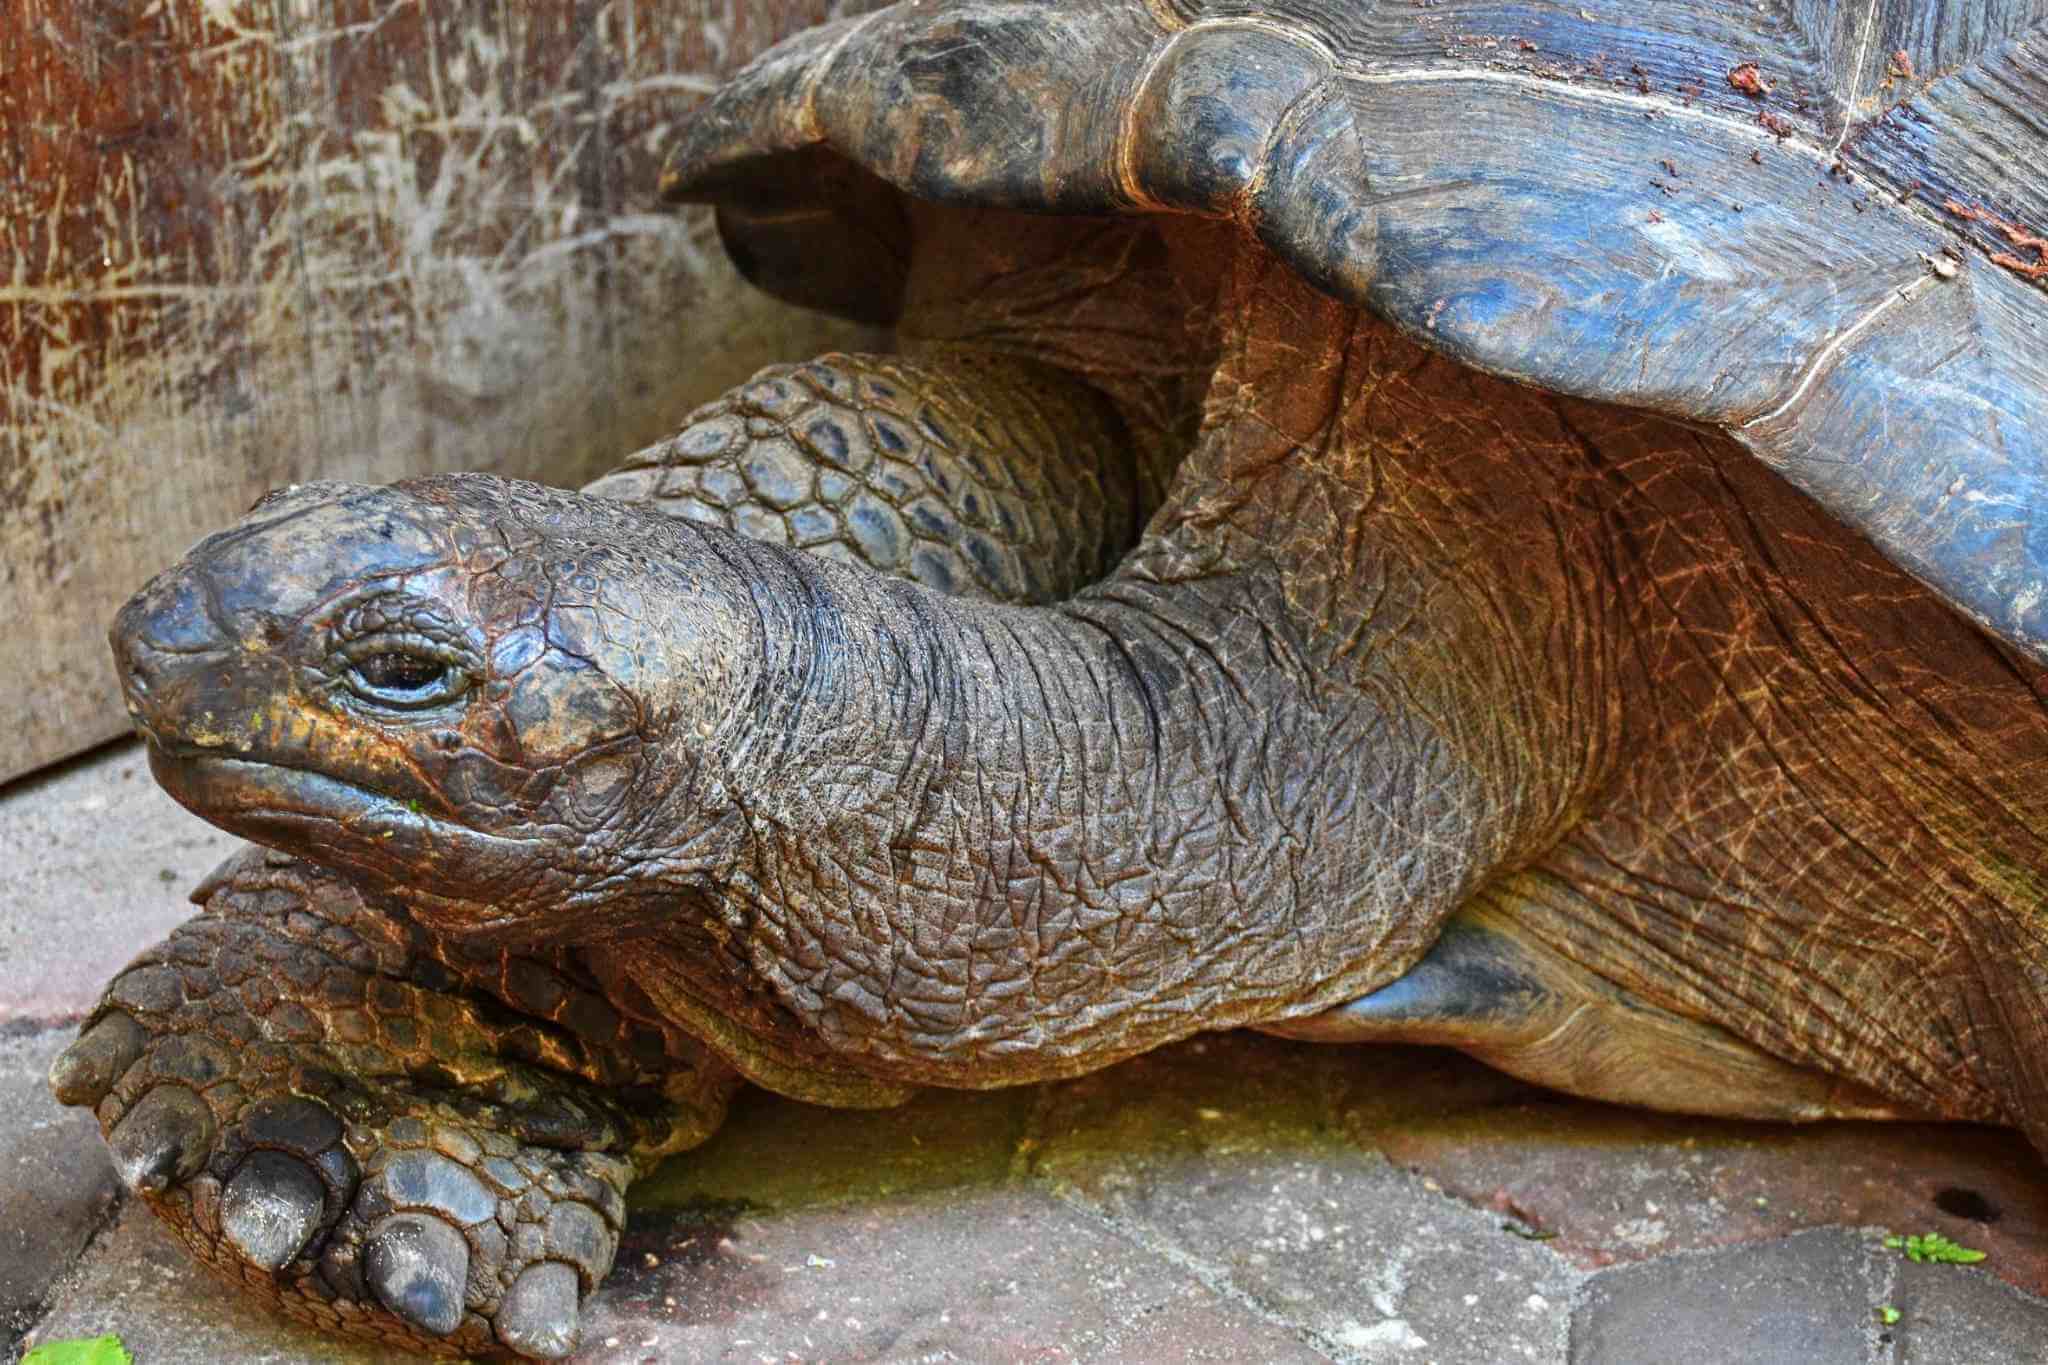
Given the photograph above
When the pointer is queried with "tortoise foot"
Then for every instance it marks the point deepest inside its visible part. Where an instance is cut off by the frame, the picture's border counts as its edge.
(363, 1207)
(354, 1146)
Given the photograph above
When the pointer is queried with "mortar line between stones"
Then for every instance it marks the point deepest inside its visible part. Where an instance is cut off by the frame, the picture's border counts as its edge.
(1212, 1278)
(1886, 1285)
(1574, 1304)
(17, 1346)
(1580, 1278)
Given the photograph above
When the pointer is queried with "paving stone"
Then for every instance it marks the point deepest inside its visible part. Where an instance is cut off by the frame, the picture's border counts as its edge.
(1224, 1157)
(57, 1186)
(1809, 1298)
(1964, 1315)
(1351, 1250)
(140, 1285)
(1616, 1185)
(98, 863)
(1814, 1298)
(990, 1274)
(897, 1234)
(1219, 1160)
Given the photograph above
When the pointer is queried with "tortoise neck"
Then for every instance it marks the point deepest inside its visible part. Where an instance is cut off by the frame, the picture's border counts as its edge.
(983, 844)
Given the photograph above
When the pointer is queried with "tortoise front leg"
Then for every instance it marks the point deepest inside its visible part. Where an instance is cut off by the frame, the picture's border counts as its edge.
(378, 1134)
(976, 474)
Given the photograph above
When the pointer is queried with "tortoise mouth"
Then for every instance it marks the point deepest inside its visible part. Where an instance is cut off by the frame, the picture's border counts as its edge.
(450, 877)
(327, 819)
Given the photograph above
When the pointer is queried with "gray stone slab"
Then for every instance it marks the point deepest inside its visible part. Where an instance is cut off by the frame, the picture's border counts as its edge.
(1964, 1315)
(56, 1185)
(1810, 1298)
(140, 1285)
(95, 863)
(1363, 1257)
(991, 1274)
(1814, 1298)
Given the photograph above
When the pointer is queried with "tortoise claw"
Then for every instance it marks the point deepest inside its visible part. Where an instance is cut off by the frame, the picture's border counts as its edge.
(84, 1072)
(165, 1137)
(418, 1267)
(538, 1317)
(270, 1208)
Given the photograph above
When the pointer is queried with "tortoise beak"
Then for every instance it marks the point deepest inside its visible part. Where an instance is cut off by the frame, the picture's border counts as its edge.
(192, 685)
(167, 649)
(223, 736)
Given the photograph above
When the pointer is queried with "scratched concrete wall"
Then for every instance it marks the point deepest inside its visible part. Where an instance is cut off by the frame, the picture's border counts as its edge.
(246, 242)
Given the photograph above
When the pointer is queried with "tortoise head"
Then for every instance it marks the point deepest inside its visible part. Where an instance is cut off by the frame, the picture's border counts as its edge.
(491, 697)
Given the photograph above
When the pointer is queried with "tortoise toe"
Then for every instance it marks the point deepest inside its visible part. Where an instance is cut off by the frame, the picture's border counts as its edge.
(271, 1208)
(538, 1317)
(164, 1138)
(418, 1267)
(84, 1072)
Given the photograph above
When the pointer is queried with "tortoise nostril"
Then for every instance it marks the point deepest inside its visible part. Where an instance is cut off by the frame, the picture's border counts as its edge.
(132, 668)
(170, 616)
(158, 636)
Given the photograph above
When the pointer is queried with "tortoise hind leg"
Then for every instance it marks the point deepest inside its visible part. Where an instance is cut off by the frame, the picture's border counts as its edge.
(1498, 994)
(973, 473)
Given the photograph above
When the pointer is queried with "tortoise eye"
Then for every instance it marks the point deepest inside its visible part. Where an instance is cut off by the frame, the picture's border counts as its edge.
(400, 672)
(404, 679)
(401, 653)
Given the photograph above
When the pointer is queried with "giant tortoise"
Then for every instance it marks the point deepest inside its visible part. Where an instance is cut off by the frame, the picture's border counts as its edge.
(1517, 526)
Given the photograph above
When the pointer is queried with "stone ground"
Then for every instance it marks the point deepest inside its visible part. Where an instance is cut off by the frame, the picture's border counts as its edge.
(1235, 1198)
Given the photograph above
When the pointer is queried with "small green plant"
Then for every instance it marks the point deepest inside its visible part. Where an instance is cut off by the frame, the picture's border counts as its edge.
(1888, 1315)
(1932, 1246)
(106, 1350)
(1528, 1232)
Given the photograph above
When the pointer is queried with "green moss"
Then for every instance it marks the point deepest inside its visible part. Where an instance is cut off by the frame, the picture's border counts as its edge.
(778, 1153)
(1932, 1246)
(1227, 1092)
(106, 1350)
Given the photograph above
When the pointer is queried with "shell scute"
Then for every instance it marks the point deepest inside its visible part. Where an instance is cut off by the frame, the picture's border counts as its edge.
(1577, 197)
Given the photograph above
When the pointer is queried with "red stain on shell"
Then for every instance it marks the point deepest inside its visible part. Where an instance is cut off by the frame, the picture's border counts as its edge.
(2023, 238)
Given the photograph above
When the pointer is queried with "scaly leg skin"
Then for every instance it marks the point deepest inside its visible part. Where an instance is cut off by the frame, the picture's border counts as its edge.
(382, 1136)
(975, 474)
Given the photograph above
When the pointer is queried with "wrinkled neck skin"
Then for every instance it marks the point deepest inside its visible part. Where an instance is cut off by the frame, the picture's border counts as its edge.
(1237, 782)
(986, 844)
